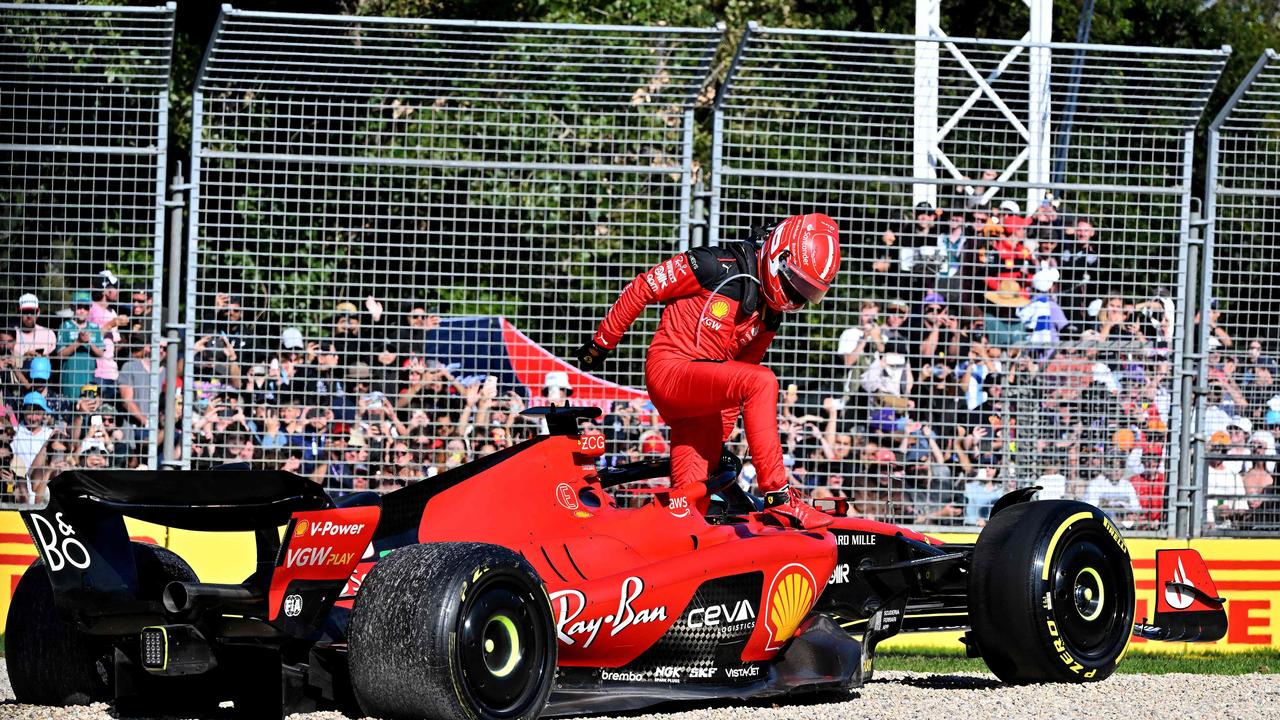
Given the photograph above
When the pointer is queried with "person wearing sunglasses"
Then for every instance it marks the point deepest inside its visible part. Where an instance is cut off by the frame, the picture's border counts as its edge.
(32, 339)
(723, 306)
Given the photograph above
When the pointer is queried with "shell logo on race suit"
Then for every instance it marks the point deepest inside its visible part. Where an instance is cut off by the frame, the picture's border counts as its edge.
(719, 308)
(790, 596)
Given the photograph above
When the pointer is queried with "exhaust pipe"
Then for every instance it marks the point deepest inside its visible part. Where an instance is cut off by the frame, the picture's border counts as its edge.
(180, 597)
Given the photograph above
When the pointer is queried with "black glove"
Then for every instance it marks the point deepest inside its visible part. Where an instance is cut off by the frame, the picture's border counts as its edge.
(591, 356)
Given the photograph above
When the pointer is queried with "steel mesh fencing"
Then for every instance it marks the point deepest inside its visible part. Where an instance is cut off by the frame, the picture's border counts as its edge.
(1239, 413)
(83, 128)
(389, 212)
(1010, 315)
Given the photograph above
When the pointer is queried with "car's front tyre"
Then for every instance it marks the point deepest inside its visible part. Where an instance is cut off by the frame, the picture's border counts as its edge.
(1051, 594)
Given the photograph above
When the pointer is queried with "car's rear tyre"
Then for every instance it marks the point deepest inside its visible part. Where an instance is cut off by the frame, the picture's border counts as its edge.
(1051, 595)
(50, 662)
(452, 630)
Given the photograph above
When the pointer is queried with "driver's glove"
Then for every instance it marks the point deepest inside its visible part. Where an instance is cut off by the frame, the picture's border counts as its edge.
(591, 356)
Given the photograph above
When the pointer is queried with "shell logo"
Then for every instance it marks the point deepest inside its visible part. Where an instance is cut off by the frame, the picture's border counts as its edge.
(791, 594)
(719, 308)
(301, 528)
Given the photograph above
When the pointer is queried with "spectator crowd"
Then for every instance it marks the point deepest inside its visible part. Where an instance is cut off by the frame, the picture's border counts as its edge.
(989, 348)
(993, 348)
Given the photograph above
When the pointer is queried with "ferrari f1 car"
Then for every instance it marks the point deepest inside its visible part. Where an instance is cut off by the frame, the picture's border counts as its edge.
(516, 587)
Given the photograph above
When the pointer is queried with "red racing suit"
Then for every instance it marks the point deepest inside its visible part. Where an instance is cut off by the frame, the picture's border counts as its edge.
(703, 365)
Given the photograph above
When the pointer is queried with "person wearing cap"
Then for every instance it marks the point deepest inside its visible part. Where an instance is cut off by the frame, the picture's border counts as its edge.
(1011, 218)
(352, 336)
(940, 332)
(40, 376)
(1043, 318)
(894, 336)
(29, 444)
(103, 314)
(1224, 491)
(32, 339)
(723, 305)
(293, 351)
(1238, 431)
(80, 343)
(95, 454)
(291, 341)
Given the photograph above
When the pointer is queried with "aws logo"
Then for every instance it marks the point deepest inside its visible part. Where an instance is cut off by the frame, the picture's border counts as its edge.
(791, 594)
(301, 528)
(719, 309)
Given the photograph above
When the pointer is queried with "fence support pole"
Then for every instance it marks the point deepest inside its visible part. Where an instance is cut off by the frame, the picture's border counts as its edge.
(173, 328)
(928, 17)
(1183, 417)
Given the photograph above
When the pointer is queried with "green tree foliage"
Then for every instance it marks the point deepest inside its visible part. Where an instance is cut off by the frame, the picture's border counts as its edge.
(545, 214)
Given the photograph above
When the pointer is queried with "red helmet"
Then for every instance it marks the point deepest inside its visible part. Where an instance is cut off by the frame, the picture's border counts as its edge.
(799, 261)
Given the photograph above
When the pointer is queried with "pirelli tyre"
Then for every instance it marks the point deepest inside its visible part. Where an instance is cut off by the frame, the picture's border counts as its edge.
(452, 630)
(1051, 595)
(50, 662)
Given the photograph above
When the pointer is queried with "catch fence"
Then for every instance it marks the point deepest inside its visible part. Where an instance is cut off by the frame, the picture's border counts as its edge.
(359, 181)
(1011, 307)
(384, 213)
(83, 129)
(1239, 410)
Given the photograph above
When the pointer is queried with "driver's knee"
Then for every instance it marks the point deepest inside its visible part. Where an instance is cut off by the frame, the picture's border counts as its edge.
(761, 382)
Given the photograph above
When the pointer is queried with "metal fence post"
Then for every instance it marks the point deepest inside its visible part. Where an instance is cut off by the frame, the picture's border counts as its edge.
(1182, 489)
(174, 327)
(1183, 355)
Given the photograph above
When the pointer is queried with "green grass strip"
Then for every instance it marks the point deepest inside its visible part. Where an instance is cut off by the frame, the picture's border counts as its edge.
(936, 660)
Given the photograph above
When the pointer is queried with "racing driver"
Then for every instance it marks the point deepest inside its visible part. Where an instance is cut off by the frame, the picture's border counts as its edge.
(723, 306)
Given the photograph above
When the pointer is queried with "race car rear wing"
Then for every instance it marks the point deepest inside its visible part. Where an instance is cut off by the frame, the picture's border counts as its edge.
(81, 537)
(1188, 608)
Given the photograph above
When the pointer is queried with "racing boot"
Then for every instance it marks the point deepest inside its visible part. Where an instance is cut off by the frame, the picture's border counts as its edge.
(794, 512)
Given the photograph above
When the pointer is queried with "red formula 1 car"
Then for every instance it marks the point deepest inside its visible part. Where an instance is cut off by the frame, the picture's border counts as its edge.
(516, 587)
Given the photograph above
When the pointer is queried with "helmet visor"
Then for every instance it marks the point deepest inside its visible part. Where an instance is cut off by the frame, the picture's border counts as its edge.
(800, 288)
